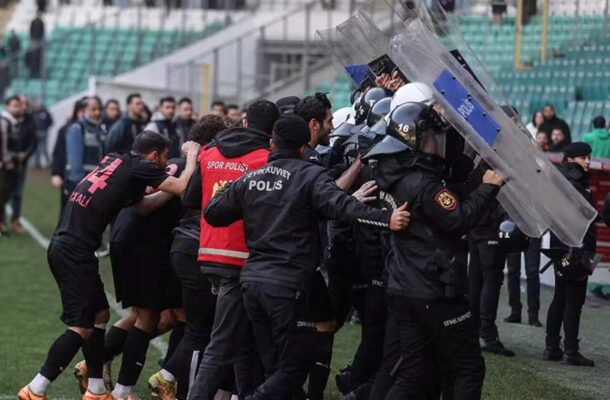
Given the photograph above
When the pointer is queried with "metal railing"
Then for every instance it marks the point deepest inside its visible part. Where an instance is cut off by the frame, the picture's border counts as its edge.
(235, 70)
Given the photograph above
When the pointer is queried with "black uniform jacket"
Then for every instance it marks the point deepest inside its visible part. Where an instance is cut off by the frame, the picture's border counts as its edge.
(281, 205)
(422, 254)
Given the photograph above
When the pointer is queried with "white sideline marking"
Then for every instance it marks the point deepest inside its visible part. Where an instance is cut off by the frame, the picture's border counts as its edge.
(157, 342)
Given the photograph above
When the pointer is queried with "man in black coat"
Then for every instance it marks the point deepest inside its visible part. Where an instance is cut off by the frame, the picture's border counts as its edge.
(572, 271)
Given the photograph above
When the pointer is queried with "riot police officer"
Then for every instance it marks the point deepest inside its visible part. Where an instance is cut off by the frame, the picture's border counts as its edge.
(426, 285)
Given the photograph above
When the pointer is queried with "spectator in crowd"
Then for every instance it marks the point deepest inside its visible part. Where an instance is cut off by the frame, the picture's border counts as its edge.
(542, 139)
(163, 123)
(123, 132)
(58, 163)
(23, 147)
(110, 115)
(146, 114)
(5, 77)
(14, 47)
(37, 28)
(558, 141)
(498, 7)
(233, 112)
(14, 43)
(598, 138)
(84, 146)
(33, 60)
(19, 124)
(218, 108)
(551, 121)
(185, 120)
(43, 121)
(9, 132)
(42, 6)
(534, 124)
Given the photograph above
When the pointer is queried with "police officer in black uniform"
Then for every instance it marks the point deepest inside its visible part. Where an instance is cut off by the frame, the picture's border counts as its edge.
(572, 271)
(430, 315)
(281, 205)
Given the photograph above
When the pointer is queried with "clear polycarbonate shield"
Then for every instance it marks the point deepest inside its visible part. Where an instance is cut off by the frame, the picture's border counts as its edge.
(419, 42)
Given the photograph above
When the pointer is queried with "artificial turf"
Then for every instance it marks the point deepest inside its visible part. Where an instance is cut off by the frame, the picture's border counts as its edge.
(31, 306)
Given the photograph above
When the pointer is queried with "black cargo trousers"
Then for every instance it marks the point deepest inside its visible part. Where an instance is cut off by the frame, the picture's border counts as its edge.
(274, 311)
(232, 348)
(430, 346)
(485, 278)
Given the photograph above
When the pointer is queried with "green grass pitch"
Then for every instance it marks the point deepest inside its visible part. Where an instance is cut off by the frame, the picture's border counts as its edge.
(31, 306)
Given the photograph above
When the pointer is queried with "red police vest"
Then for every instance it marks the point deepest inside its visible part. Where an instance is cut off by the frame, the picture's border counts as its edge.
(225, 245)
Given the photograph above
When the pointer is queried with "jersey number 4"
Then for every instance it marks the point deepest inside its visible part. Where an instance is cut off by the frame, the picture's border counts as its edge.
(98, 176)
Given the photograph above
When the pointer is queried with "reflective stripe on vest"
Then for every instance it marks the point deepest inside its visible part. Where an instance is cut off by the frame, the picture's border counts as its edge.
(222, 252)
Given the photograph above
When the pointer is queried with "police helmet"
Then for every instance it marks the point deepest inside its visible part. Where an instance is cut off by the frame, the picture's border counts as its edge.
(408, 128)
(341, 115)
(367, 101)
(414, 92)
(510, 237)
(379, 110)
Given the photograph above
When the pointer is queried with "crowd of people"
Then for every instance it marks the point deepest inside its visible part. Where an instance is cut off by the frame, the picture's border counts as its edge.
(251, 236)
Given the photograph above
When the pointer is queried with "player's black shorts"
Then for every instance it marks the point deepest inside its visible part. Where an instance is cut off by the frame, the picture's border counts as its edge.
(76, 272)
(143, 277)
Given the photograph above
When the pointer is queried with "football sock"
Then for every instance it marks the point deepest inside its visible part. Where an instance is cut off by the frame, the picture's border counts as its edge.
(175, 338)
(39, 385)
(168, 376)
(61, 352)
(134, 355)
(121, 391)
(114, 342)
(319, 371)
(96, 386)
(93, 350)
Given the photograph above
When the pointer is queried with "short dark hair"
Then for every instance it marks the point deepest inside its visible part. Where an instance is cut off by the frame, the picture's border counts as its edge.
(185, 100)
(549, 105)
(218, 103)
(112, 101)
(599, 122)
(132, 96)
(232, 106)
(94, 98)
(11, 99)
(149, 141)
(167, 99)
(206, 128)
(261, 115)
(313, 107)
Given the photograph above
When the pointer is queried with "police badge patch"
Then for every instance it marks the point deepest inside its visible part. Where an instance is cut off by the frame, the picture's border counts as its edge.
(446, 199)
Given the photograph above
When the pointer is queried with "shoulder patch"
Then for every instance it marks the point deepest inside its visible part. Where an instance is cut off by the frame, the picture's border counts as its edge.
(446, 200)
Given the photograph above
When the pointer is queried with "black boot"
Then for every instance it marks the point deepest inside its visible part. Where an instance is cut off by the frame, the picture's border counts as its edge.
(347, 380)
(496, 347)
(513, 318)
(578, 360)
(573, 357)
(533, 321)
(552, 351)
(552, 354)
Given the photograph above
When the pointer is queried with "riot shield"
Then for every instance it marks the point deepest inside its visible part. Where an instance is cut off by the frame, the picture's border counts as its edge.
(536, 196)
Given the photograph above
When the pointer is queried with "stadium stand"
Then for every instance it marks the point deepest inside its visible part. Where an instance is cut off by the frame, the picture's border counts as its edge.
(77, 53)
